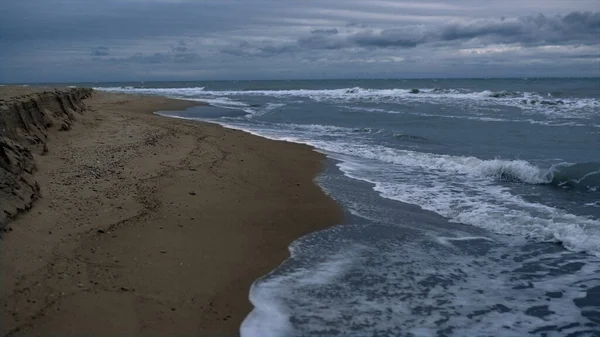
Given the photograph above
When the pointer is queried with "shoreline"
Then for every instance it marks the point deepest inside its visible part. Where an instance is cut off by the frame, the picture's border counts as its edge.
(136, 213)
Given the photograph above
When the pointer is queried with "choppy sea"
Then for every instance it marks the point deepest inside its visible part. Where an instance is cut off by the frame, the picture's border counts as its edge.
(473, 204)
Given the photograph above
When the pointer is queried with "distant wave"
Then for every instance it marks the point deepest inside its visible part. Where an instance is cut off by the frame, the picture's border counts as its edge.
(580, 176)
(172, 92)
(544, 103)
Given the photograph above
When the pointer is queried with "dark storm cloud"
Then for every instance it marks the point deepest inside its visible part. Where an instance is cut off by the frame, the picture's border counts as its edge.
(580, 27)
(188, 39)
(576, 27)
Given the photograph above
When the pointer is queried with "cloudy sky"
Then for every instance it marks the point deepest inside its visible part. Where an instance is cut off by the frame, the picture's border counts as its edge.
(141, 40)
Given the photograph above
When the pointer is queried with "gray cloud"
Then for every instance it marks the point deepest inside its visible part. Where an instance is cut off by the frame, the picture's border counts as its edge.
(396, 37)
(182, 53)
(180, 47)
(101, 51)
(178, 53)
(186, 39)
(329, 31)
(579, 27)
(259, 49)
(323, 41)
(575, 27)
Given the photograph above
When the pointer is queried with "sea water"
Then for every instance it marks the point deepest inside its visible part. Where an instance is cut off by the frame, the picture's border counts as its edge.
(473, 204)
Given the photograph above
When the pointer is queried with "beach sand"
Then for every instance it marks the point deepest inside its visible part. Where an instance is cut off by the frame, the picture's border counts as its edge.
(149, 225)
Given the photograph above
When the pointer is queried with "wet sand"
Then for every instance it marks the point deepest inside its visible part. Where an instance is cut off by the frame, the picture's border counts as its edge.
(149, 225)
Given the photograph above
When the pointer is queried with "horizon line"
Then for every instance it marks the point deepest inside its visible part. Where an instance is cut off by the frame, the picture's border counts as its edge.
(307, 79)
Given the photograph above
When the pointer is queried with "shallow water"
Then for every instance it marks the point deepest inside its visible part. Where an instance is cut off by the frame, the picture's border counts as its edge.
(473, 204)
(397, 270)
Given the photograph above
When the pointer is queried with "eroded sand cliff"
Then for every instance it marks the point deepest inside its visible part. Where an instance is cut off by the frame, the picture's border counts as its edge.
(25, 121)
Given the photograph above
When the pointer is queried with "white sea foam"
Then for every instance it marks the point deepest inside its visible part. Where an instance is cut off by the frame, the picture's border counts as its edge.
(270, 317)
(470, 166)
(529, 102)
(395, 286)
(180, 92)
(460, 189)
(463, 189)
(403, 286)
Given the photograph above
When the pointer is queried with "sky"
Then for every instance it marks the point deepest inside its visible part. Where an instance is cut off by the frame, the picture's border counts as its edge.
(145, 40)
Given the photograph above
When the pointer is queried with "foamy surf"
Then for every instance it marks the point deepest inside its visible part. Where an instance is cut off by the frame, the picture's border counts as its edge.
(392, 284)
(527, 101)
(460, 188)
(471, 211)
(466, 193)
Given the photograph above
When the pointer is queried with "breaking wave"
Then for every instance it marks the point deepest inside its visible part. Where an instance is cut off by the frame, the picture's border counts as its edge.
(584, 176)
(544, 103)
(578, 176)
(463, 189)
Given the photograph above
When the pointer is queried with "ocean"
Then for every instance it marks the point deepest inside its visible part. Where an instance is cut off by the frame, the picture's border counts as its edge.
(473, 205)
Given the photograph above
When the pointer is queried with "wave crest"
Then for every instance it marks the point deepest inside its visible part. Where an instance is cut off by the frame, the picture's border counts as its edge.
(531, 101)
(585, 176)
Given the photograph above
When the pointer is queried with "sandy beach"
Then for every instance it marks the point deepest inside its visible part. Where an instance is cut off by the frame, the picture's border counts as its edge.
(148, 225)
